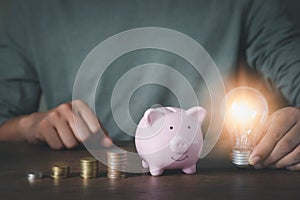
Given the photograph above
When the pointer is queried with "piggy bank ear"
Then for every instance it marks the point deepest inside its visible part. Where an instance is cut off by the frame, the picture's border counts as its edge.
(197, 112)
(151, 115)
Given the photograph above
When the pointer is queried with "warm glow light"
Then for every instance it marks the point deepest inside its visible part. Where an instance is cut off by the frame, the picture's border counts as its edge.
(242, 112)
(246, 108)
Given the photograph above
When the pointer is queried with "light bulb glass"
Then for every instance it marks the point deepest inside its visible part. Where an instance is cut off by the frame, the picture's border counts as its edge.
(245, 109)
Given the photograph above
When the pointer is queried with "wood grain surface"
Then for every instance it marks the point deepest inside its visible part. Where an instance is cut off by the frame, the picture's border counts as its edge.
(216, 178)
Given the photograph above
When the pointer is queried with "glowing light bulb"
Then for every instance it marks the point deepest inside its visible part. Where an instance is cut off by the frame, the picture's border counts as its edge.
(245, 109)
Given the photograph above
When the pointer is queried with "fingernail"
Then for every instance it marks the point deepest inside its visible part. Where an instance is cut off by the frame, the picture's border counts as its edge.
(258, 166)
(290, 168)
(253, 160)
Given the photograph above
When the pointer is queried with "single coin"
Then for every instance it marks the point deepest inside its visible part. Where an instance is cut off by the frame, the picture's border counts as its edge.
(35, 175)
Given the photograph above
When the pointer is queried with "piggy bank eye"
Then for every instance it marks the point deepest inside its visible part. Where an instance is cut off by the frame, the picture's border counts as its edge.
(189, 127)
(171, 127)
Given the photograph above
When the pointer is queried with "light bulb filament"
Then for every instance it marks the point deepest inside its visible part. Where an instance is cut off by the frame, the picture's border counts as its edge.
(242, 113)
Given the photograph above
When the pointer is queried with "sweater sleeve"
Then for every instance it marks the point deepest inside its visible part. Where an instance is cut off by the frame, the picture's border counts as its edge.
(273, 46)
(19, 86)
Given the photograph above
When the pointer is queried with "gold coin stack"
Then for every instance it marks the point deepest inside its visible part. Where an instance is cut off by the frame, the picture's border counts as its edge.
(116, 164)
(89, 167)
(61, 170)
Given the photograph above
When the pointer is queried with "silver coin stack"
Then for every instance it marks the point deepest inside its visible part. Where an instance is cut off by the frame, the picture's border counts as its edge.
(116, 164)
(240, 158)
(32, 175)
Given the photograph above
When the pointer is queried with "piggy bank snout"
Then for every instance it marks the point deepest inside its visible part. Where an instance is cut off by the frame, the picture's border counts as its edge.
(179, 145)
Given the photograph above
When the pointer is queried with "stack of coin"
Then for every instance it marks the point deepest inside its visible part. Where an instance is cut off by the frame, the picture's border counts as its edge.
(60, 170)
(89, 167)
(116, 164)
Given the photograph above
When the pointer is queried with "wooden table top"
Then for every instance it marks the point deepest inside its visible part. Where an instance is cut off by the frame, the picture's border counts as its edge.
(216, 178)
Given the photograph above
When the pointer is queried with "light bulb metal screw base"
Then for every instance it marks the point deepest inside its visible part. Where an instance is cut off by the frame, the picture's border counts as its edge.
(240, 157)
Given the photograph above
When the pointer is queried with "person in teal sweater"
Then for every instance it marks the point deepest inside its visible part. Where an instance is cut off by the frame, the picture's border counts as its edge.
(43, 44)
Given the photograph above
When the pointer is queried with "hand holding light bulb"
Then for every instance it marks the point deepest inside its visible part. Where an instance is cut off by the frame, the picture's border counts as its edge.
(275, 141)
(278, 141)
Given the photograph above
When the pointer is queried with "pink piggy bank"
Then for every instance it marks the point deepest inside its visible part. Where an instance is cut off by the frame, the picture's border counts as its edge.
(170, 138)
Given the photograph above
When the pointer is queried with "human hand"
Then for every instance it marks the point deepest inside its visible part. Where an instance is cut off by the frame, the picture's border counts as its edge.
(63, 126)
(278, 144)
